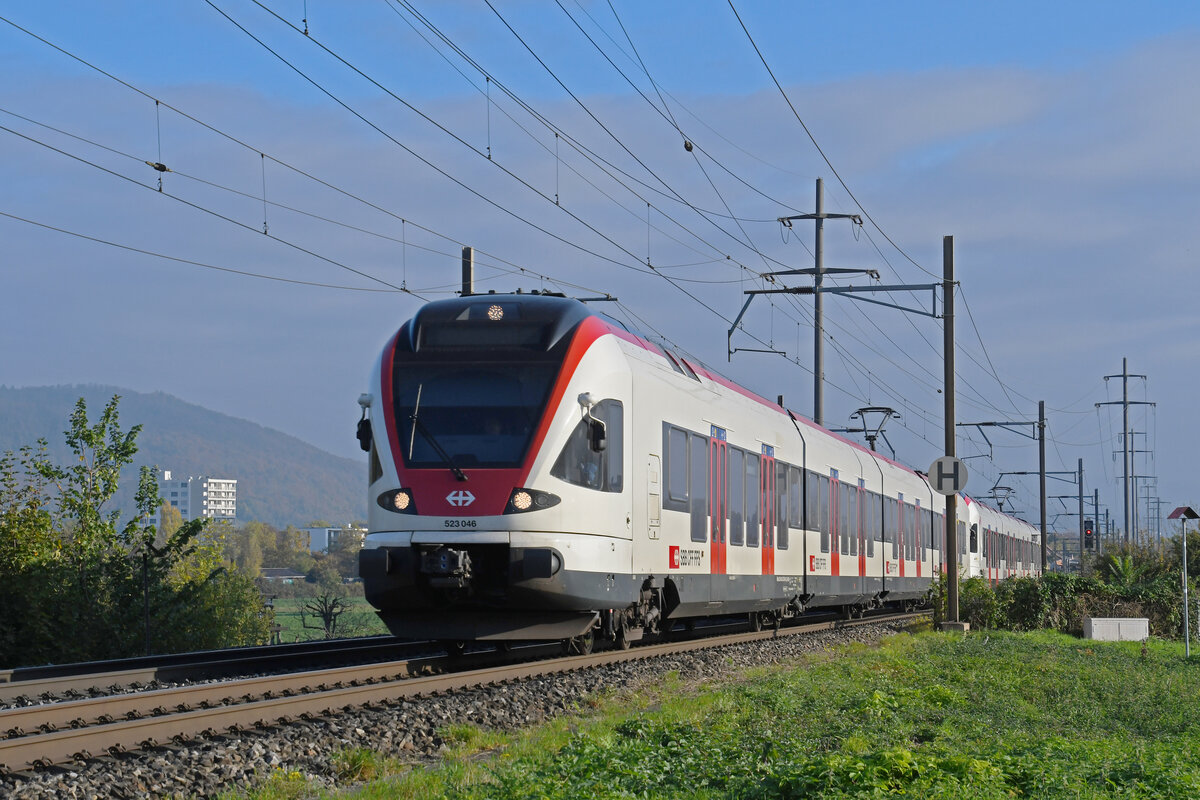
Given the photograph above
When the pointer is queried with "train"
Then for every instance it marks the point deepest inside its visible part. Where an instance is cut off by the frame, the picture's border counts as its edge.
(540, 471)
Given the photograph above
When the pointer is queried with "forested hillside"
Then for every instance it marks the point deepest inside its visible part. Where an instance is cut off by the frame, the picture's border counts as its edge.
(281, 480)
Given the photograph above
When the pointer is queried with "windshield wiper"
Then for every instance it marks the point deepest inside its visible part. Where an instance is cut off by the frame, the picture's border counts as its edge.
(417, 425)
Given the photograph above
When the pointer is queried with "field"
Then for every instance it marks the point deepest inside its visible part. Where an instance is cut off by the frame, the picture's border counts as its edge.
(932, 715)
(360, 620)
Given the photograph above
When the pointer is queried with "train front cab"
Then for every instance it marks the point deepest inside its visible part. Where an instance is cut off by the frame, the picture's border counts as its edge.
(515, 524)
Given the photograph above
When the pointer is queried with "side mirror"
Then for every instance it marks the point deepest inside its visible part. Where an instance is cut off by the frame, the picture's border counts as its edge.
(597, 436)
(363, 434)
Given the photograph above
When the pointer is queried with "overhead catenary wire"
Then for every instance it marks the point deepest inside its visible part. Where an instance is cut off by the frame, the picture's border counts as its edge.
(204, 265)
(273, 205)
(209, 211)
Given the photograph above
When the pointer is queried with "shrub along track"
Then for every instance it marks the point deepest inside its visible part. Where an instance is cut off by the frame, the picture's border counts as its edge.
(55, 733)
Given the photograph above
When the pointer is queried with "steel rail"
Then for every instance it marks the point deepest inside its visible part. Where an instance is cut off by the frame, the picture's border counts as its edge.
(328, 693)
(34, 682)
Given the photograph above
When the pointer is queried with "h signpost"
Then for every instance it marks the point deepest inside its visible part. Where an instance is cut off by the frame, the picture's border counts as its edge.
(948, 477)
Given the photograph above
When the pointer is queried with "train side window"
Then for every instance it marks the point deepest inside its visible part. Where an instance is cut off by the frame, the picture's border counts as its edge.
(581, 465)
(781, 506)
(871, 522)
(974, 538)
(376, 468)
(926, 533)
(737, 496)
(795, 504)
(676, 468)
(849, 531)
(699, 488)
(812, 502)
(891, 524)
(753, 497)
(823, 515)
(913, 532)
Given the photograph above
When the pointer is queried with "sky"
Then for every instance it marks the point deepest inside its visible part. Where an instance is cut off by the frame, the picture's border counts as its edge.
(321, 187)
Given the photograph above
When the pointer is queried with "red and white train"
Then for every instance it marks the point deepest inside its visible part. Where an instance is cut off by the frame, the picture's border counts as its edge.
(539, 471)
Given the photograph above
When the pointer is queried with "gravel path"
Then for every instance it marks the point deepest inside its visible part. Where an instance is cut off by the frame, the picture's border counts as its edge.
(406, 729)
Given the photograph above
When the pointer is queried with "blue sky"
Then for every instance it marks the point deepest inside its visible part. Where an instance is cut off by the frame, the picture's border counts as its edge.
(1055, 142)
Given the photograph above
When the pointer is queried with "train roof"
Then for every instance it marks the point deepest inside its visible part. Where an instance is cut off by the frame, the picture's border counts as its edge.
(543, 318)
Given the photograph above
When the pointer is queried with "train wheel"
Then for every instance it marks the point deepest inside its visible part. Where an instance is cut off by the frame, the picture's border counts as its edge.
(580, 645)
(756, 622)
(621, 637)
(455, 648)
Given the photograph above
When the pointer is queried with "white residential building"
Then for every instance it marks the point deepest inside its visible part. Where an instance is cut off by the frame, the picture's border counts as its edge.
(321, 539)
(200, 496)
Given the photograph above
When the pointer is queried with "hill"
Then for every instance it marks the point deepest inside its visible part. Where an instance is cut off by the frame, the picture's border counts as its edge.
(281, 479)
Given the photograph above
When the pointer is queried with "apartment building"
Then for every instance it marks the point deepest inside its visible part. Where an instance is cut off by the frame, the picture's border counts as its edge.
(201, 496)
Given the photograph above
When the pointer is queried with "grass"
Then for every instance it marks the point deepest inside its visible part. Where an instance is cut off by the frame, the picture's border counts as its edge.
(361, 620)
(988, 715)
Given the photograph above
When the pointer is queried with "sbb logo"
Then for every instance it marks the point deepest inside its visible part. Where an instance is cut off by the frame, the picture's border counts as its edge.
(674, 556)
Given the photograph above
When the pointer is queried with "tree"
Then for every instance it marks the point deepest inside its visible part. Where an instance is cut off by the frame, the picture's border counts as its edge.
(75, 585)
(328, 602)
(326, 608)
(26, 525)
(289, 549)
(343, 552)
(324, 573)
(169, 519)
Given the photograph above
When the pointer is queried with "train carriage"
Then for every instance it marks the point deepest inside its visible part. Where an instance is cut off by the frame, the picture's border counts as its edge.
(538, 470)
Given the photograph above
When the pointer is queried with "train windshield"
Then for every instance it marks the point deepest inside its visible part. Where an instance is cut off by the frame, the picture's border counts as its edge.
(477, 414)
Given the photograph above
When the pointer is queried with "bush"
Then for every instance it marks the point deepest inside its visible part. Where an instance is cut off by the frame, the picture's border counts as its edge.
(75, 586)
(1061, 602)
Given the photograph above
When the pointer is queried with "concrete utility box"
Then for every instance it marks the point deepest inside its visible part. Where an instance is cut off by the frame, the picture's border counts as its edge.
(1116, 629)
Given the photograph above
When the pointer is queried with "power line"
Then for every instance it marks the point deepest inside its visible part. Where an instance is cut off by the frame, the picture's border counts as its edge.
(202, 264)
(813, 139)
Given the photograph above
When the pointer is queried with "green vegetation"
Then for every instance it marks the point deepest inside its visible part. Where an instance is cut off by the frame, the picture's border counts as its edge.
(296, 624)
(75, 585)
(992, 715)
(1125, 582)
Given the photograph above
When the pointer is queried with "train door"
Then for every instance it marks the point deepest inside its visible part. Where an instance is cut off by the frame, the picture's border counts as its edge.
(862, 532)
(718, 471)
(835, 563)
(919, 540)
(770, 508)
(900, 532)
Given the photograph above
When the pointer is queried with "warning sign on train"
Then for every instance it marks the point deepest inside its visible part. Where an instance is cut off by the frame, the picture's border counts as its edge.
(948, 475)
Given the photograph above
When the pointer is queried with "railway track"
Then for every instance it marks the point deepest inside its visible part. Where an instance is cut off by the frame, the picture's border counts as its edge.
(101, 676)
(55, 733)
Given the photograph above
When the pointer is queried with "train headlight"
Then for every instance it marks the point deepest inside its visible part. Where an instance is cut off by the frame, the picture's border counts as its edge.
(398, 501)
(522, 500)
